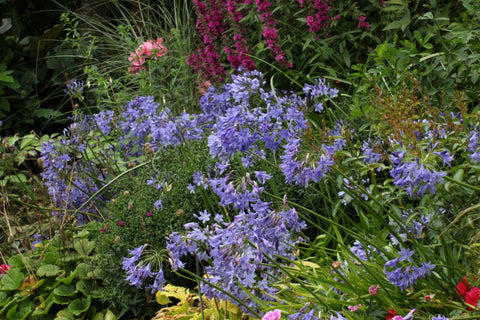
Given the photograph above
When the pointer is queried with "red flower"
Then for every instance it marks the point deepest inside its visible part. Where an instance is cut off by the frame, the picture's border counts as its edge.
(391, 313)
(121, 223)
(4, 268)
(462, 287)
(472, 297)
(470, 294)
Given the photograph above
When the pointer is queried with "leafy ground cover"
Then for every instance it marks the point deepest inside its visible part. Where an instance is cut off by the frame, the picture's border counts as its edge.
(252, 160)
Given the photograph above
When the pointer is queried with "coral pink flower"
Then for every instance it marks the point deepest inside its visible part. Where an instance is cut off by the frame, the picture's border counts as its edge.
(146, 50)
(272, 315)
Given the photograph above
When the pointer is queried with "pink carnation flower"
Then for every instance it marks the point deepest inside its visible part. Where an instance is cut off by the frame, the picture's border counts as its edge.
(146, 50)
(272, 315)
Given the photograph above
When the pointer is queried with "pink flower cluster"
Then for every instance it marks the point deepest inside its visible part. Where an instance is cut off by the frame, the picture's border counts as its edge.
(363, 23)
(270, 32)
(144, 51)
(318, 14)
(219, 21)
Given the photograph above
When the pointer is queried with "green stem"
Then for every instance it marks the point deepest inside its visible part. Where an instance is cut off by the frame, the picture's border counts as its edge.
(463, 184)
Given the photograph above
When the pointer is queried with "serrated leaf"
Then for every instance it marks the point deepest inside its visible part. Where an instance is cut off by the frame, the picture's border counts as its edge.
(84, 286)
(12, 280)
(48, 270)
(61, 299)
(78, 306)
(49, 258)
(65, 290)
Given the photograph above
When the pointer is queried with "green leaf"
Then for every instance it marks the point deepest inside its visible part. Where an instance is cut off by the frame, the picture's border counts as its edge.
(48, 270)
(78, 306)
(61, 299)
(109, 315)
(47, 113)
(65, 290)
(4, 104)
(68, 279)
(12, 280)
(84, 286)
(3, 298)
(83, 246)
(26, 140)
(64, 315)
(5, 76)
(23, 312)
(49, 258)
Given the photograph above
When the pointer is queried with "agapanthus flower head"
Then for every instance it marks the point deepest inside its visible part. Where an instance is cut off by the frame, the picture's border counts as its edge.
(404, 277)
(75, 88)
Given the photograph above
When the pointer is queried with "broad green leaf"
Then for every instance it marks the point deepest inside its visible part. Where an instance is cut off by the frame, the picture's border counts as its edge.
(48, 270)
(83, 246)
(23, 312)
(64, 315)
(12, 280)
(65, 290)
(49, 258)
(84, 286)
(20, 261)
(61, 299)
(78, 306)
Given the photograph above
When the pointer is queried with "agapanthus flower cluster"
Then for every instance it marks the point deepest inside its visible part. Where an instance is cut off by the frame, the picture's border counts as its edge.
(237, 254)
(72, 173)
(405, 277)
(75, 88)
(413, 223)
(277, 121)
(473, 150)
(138, 273)
(151, 48)
(145, 121)
(367, 253)
(413, 176)
(69, 176)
